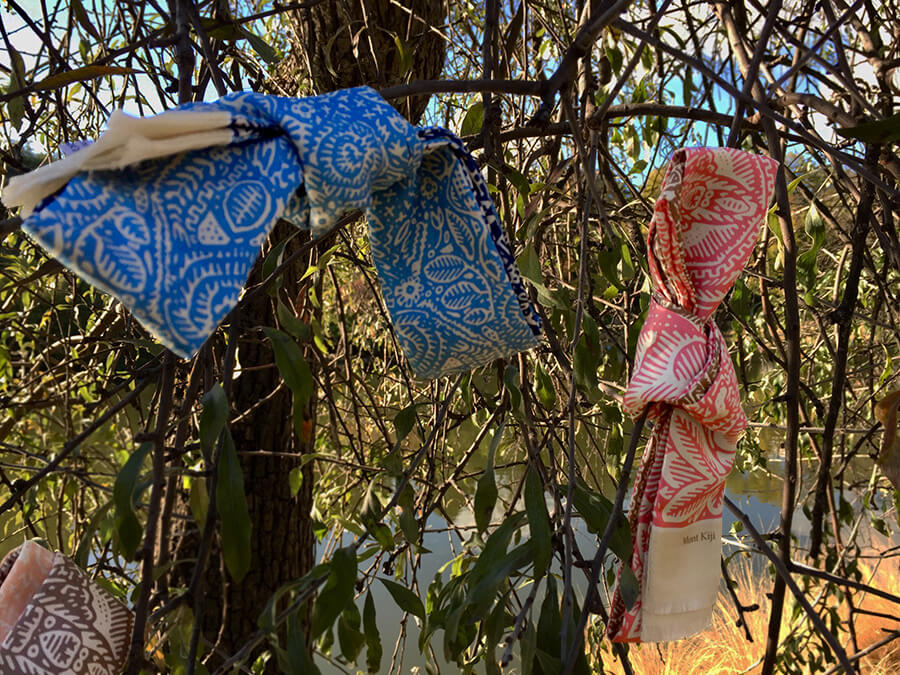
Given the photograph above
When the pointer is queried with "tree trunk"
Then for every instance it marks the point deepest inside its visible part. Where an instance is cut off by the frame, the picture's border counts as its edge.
(341, 44)
(379, 43)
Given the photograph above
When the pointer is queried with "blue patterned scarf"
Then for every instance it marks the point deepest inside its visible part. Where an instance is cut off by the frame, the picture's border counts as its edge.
(174, 238)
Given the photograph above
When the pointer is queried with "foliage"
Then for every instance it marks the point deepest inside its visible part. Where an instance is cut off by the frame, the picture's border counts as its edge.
(480, 463)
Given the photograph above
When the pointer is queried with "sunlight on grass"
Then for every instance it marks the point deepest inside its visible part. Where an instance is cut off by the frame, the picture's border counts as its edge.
(723, 647)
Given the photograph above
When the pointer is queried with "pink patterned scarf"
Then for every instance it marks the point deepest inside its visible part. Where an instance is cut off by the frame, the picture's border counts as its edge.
(703, 230)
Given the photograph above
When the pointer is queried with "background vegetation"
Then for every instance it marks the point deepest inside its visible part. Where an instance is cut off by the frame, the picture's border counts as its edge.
(271, 497)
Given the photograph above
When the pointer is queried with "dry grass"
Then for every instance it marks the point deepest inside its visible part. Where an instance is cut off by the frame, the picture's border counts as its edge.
(723, 647)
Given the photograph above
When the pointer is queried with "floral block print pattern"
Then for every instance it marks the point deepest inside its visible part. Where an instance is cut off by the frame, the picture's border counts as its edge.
(174, 237)
(704, 227)
(21, 574)
(69, 626)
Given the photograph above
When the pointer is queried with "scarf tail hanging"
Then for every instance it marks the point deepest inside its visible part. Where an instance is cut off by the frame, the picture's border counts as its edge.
(703, 230)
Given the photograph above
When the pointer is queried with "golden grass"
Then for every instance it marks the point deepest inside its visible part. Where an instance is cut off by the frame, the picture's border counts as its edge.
(723, 647)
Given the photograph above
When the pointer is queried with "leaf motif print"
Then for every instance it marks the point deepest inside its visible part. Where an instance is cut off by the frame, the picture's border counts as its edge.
(460, 296)
(175, 237)
(246, 205)
(445, 268)
(704, 225)
(697, 462)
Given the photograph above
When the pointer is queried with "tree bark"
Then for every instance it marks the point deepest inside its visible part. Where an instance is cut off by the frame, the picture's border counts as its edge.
(340, 44)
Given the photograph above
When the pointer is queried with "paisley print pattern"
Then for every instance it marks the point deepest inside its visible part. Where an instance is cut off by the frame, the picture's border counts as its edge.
(704, 226)
(70, 626)
(174, 238)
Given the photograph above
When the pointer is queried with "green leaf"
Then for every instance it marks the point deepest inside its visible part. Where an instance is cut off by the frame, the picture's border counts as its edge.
(405, 598)
(15, 107)
(289, 321)
(584, 370)
(596, 510)
(292, 366)
(511, 380)
(483, 591)
(373, 637)
(337, 593)
(546, 394)
(231, 503)
(268, 53)
(82, 553)
(614, 54)
(629, 588)
(877, 132)
(295, 480)
(538, 522)
(266, 620)
(806, 261)
(486, 492)
(495, 547)
(82, 74)
(128, 528)
(548, 631)
(270, 264)
(405, 420)
(473, 120)
(405, 54)
(350, 638)
(296, 659)
(213, 418)
(81, 16)
(528, 646)
(199, 501)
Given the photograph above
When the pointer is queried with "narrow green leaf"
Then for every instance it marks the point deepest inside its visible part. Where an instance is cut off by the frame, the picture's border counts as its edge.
(538, 522)
(628, 586)
(548, 630)
(81, 16)
(405, 598)
(291, 364)
(482, 594)
(231, 503)
(527, 648)
(338, 591)
(546, 394)
(584, 370)
(295, 479)
(473, 120)
(614, 54)
(82, 74)
(298, 659)
(373, 637)
(128, 528)
(405, 420)
(350, 638)
(212, 418)
(268, 53)
(495, 546)
(266, 620)
(879, 131)
(289, 322)
(271, 262)
(15, 107)
(596, 510)
(486, 495)
(406, 56)
(199, 501)
(82, 553)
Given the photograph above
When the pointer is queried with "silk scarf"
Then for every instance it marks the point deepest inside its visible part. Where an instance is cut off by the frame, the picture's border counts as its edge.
(168, 214)
(704, 227)
(53, 619)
